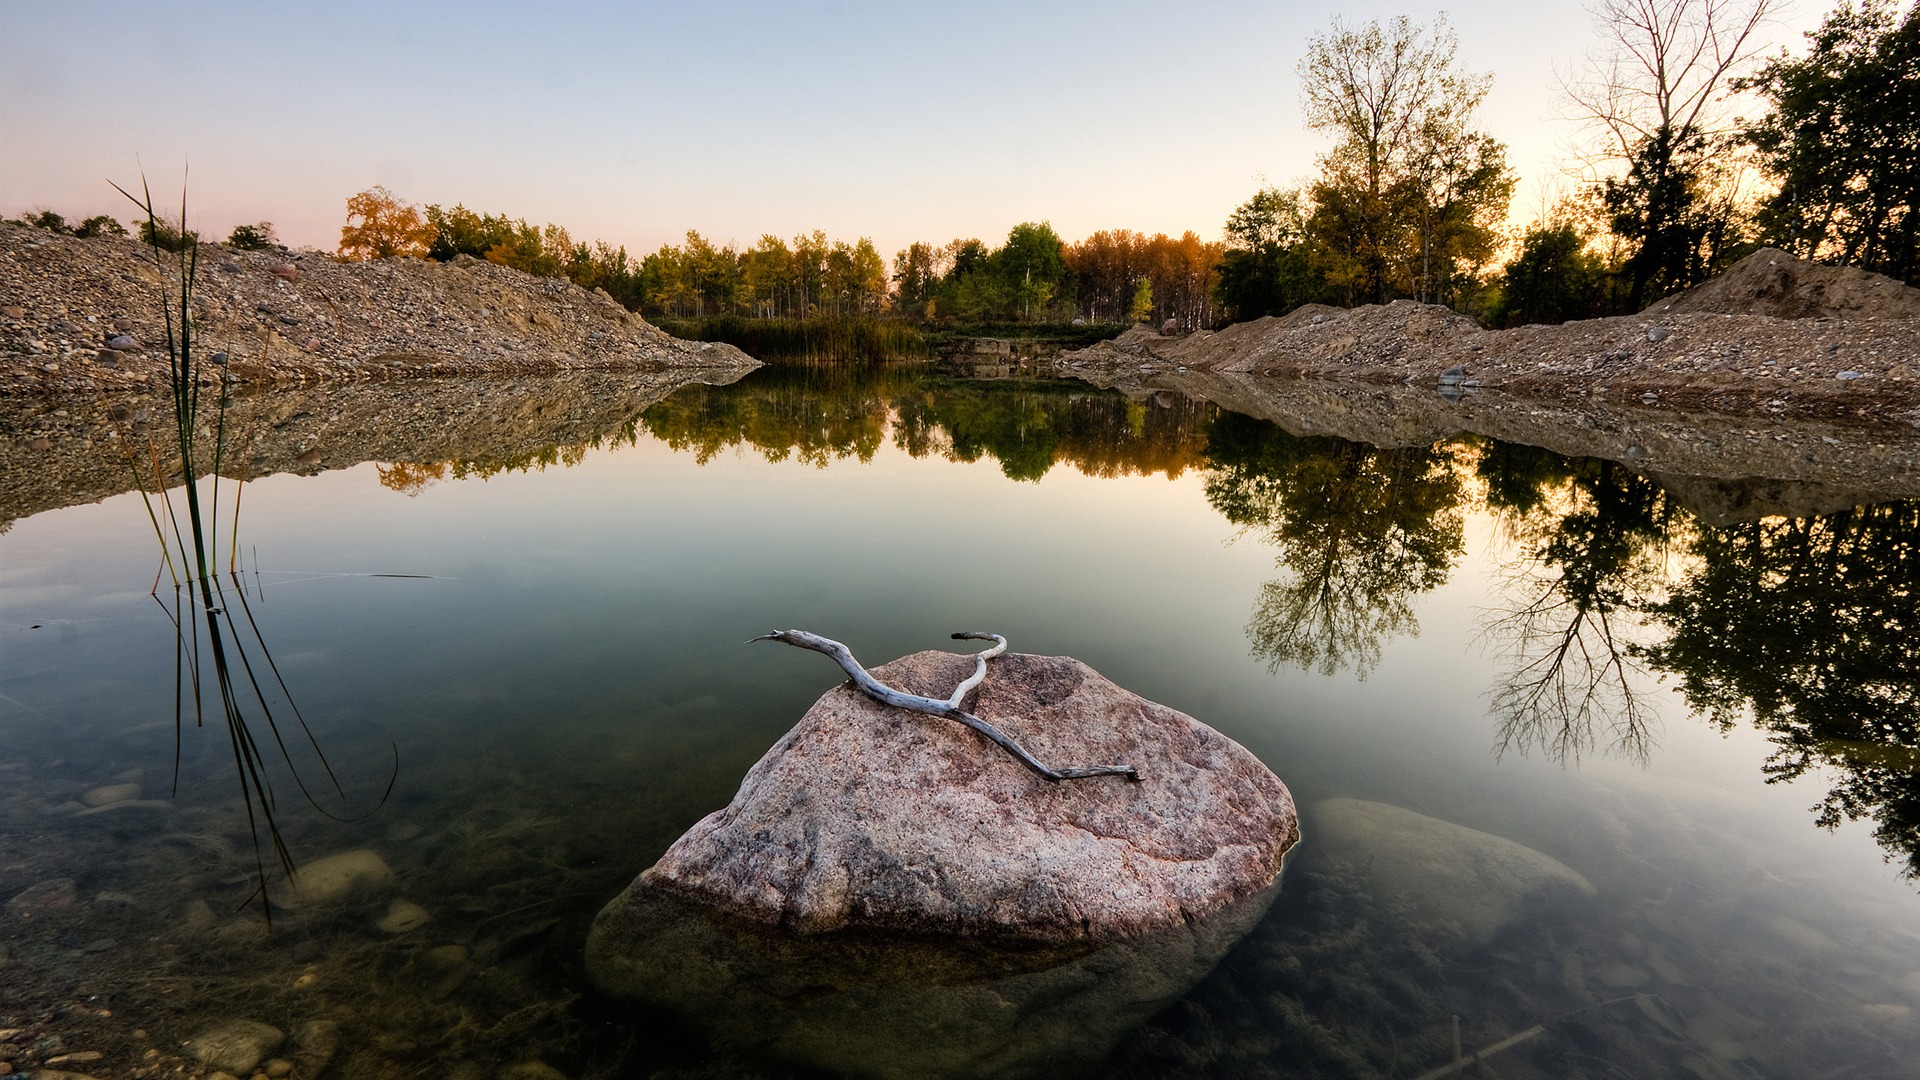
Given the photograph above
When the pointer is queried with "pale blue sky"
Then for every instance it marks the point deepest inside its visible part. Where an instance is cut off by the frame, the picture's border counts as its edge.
(635, 122)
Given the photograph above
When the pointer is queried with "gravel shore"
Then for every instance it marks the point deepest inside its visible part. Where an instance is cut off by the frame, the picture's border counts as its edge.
(1774, 337)
(85, 314)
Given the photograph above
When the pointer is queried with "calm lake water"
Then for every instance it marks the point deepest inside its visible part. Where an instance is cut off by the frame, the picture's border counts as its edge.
(1555, 652)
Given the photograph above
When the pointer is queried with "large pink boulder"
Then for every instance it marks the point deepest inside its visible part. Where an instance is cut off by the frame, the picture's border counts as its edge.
(871, 817)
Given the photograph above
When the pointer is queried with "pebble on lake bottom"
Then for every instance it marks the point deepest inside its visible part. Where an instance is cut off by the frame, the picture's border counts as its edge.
(402, 916)
(108, 794)
(235, 1046)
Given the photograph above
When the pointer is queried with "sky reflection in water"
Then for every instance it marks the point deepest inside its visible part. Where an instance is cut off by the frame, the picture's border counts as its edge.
(1551, 650)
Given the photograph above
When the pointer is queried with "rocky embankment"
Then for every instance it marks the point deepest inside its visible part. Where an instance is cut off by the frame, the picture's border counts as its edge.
(1723, 468)
(1773, 337)
(85, 315)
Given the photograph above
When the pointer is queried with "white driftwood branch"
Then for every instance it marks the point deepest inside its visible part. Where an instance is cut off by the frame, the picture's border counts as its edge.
(950, 708)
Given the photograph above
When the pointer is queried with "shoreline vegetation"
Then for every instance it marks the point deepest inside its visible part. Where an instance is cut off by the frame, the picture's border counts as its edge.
(856, 339)
(1409, 206)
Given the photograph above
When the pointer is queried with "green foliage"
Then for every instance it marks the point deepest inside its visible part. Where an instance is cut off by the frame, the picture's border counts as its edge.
(1409, 200)
(820, 414)
(1554, 279)
(166, 236)
(256, 237)
(1840, 141)
(1360, 532)
(1269, 267)
(1812, 627)
(857, 339)
(548, 251)
(1025, 279)
(1672, 212)
(99, 225)
(460, 231)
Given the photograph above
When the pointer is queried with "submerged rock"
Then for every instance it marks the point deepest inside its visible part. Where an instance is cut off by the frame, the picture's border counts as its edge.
(337, 877)
(869, 816)
(890, 894)
(1440, 877)
(109, 794)
(863, 1003)
(402, 916)
(44, 898)
(235, 1046)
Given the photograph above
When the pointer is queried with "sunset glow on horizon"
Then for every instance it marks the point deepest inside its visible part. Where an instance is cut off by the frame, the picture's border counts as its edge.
(635, 123)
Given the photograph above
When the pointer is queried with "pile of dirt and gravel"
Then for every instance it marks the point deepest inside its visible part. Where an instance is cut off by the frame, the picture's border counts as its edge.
(86, 314)
(1850, 351)
(1772, 282)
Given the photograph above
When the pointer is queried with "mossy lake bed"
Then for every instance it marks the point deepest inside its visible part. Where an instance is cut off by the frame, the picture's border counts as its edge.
(533, 593)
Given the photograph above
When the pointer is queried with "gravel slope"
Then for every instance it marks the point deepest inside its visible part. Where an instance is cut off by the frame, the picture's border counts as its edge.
(80, 315)
(1851, 349)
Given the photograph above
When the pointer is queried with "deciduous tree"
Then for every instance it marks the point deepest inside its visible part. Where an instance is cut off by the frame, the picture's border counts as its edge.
(1409, 189)
(1841, 141)
(380, 226)
(1654, 94)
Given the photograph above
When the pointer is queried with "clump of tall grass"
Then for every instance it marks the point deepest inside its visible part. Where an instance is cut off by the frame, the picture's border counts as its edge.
(217, 640)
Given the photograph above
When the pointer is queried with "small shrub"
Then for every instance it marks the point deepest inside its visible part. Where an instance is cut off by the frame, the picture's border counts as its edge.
(99, 225)
(167, 237)
(256, 237)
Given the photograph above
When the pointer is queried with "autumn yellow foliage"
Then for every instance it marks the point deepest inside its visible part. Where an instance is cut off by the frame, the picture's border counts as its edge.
(381, 226)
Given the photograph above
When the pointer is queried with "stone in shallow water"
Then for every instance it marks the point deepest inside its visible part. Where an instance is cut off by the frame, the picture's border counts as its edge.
(890, 894)
(45, 898)
(110, 793)
(864, 1003)
(337, 877)
(314, 1045)
(869, 816)
(1441, 877)
(402, 916)
(235, 1046)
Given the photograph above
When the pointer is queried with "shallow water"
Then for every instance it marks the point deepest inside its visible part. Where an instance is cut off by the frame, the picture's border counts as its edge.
(551, 648)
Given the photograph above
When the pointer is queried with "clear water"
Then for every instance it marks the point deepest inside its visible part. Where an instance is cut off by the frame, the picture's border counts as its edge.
(561, 676)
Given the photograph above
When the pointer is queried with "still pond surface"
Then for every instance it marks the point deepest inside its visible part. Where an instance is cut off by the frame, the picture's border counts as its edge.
(1654, 713)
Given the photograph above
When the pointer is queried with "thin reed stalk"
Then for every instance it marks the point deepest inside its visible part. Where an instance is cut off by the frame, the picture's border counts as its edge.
(210, 644)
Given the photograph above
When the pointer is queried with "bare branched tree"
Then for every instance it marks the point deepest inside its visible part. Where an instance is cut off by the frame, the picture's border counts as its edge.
(1654, 94)
(1663, 67)
(1571, 675)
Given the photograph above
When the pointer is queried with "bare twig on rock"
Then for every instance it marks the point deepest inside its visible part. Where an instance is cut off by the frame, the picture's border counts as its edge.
(950, 708)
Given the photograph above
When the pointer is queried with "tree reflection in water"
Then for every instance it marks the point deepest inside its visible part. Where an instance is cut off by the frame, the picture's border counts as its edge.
(1587, 543)
(1811, 625)
(1361, 531)
(1806, 623)
(1028, 426)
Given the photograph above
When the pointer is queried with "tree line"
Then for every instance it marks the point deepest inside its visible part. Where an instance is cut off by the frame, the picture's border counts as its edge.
(1033, 277)
(1411, 200)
